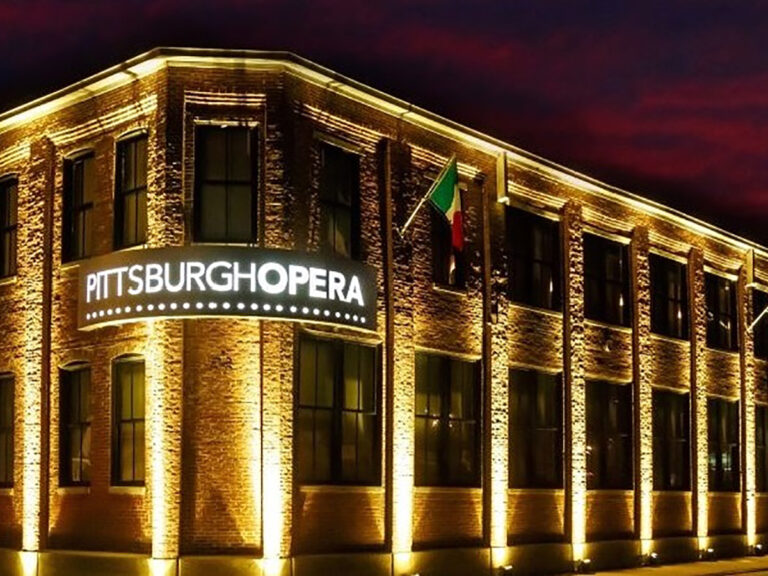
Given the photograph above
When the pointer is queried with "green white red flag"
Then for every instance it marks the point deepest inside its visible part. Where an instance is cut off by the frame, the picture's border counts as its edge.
(446, 198)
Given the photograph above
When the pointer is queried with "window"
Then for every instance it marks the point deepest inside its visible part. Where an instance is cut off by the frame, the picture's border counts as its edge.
(606, 279)
(669, 297)
(75, 415)
(723, 441)
(448, 265)
(338, 417)
(9, 192)
(671, 445)
(609, 436)
(128, 422)
(721, 312)
(226, 181)
(131, 192)
(339, 201)
(6, 431)
(534, 248)
(761, 448)
(447, 421)
(79, 195)
(760, 333)
(535, 429)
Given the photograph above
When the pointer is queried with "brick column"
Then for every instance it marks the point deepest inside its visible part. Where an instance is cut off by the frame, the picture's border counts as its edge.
(643, 396)
(164, 376)
(34, 271)
(497, 326)
(698, 304)
(403, 369)
(747, 365)
(574, 349)
(165, 345)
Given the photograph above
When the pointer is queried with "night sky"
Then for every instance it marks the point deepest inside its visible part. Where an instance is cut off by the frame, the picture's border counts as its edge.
(666, 99)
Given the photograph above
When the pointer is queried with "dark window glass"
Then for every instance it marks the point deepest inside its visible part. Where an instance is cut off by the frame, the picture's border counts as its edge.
(606, 280)
(6, 431)
(128, 434)
(9, 193)
(79, 195)
(760, 331)
(609, 436)
(535, 429)
(75, 426)
(338, 431)
(534, 248)
(761, 448)
(723, 441)
(669, 297)
(339, 201)
(226, 184)
(448, 263)
(721, 312)
(447, 421)
(131, 192)
(671, 445)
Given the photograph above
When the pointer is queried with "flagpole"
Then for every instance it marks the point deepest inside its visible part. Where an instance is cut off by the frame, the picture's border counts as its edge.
(408, 222)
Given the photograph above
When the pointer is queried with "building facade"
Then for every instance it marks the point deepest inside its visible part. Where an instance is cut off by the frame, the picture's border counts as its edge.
(578, 386)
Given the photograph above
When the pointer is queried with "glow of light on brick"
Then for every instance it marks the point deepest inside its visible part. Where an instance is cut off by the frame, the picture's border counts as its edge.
(29, 562)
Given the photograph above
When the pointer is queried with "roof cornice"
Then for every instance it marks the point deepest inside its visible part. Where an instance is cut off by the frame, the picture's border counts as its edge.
(157, 59)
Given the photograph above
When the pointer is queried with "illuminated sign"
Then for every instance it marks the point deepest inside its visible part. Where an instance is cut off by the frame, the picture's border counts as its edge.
(195, 281)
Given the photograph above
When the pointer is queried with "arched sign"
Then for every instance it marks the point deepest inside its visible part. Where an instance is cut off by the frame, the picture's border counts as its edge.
(200, 281)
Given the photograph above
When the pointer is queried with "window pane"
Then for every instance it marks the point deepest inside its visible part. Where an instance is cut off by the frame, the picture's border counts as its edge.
(212, 142)
(323, 432)
(349, 445)
(213, 211)
(239, 154)
(138, 454)
(239, 212)
(126, 452)
(326, 368)
(351, 375)
(138, 390)
(305, 444)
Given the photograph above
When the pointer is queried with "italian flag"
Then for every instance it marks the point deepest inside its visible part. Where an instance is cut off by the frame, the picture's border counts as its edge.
(444, 196)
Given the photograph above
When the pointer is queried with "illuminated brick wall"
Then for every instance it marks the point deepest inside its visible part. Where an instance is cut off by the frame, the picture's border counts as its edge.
(220, 412)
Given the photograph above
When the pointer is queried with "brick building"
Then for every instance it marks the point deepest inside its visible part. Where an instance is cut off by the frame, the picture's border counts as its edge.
(578, 383)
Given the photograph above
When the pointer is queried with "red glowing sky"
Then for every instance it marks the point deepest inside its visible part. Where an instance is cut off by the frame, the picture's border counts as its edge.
(668, 99)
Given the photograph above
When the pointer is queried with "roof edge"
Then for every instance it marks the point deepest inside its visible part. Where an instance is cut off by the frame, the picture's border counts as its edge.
(160, 57)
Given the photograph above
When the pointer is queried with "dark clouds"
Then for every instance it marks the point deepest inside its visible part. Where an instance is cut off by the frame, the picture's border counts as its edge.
(668, 99)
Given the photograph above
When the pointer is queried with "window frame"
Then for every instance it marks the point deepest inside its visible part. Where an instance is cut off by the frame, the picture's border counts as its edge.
(117, 421)
(761, 448)
(664, 442)
(9, 225)
(760, 331)
(599, 311)
(529, 223)
(715, 476)
(604, 478)
(254, 132)
(445, 421)
(712, 297)
(76, 211)
(65, 457)
(338, 411)
(664, 267)
(8, 431)
(122, 193)
(525, 448)
(325, 203)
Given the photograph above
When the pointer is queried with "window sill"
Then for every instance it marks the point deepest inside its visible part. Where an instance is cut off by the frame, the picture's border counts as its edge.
(142, 246)
(128, 490)
(447, 489)
(552, 491)
(73, 490)
(9, 280)
(447, 289)
(536, 309)
(671, 492)
(728, 351)
(610, 491)
(607, 325)
(6, 491)
(670, 339)
(340, 488)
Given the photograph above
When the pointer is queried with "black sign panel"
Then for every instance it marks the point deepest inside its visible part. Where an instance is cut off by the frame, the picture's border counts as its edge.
(195, 281)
